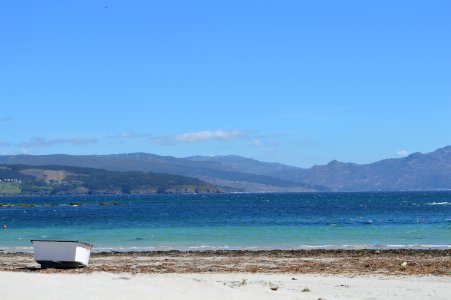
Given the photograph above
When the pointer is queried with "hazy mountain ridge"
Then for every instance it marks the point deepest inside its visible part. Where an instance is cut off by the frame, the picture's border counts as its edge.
(210, 171)
(430, 171)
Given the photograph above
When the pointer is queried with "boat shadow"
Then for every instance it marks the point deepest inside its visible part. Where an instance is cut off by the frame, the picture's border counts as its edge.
(30, 269)
(48, 269)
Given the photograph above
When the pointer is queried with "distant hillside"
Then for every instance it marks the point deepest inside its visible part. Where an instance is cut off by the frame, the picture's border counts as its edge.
(43, 180)
(235, 176)
(430, 171)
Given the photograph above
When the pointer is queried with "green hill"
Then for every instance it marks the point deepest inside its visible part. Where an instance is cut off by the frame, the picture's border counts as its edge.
(52, 180)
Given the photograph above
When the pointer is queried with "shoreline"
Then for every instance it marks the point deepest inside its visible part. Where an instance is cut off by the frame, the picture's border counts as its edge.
(137, 249)
(318, 261)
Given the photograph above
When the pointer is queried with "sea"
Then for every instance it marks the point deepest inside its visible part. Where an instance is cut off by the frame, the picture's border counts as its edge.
(230, 221)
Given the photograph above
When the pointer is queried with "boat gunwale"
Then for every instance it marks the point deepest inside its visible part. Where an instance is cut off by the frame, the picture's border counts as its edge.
(90, 246)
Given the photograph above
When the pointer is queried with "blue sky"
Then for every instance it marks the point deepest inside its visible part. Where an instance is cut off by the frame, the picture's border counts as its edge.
(297, 82)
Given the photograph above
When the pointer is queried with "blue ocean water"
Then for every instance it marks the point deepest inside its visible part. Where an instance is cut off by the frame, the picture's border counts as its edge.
(231, 221)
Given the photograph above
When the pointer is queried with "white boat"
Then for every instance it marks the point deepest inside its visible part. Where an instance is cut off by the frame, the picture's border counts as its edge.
(61, 254)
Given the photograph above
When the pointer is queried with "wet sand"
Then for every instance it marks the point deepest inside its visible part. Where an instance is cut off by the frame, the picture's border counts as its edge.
(332, 262)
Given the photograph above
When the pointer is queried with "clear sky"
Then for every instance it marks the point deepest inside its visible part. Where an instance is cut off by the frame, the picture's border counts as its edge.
(297, 82)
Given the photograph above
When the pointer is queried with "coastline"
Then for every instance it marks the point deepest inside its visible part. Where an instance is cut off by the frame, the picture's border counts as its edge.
(235, 274)
(319, 261)
(138, 249)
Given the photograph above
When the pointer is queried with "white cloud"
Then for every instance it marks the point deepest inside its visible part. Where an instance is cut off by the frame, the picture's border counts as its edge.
(126, 134)
(403, 153)
(208, 135)
(257, 142)
(196, 136)
(129, 135)
(26, 151)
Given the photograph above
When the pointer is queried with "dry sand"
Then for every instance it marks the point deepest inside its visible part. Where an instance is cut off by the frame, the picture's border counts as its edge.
(224, 286)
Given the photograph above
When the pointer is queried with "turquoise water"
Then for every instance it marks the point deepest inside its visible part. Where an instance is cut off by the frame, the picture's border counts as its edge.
(231, 221)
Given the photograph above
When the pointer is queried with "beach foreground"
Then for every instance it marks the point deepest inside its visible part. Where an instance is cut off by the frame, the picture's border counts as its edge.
(235, 274)
(101, 285)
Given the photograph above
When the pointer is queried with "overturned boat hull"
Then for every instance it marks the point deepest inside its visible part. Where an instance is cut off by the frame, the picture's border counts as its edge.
(61, 254)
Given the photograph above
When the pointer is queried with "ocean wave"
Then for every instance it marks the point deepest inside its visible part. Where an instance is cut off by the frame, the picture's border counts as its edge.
(438, 203)
(247, 248)
(256, 248)
(16, 249)
(72, 204)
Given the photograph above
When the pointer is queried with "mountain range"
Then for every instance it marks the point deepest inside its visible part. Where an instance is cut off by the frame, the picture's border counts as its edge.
(416, 172)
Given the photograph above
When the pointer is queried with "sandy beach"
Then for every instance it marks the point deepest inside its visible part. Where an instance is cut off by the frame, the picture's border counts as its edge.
(19, 285)
(235, 274)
